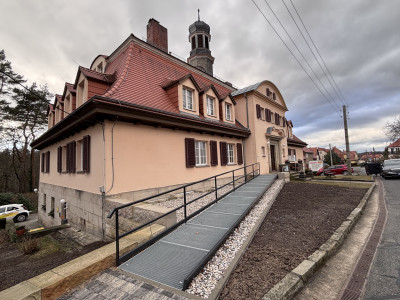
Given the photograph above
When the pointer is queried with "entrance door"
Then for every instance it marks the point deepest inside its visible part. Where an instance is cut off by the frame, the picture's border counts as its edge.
(273, 160)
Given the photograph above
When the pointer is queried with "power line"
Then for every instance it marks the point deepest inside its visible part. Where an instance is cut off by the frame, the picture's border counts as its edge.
(337, 111)
(309, 47)
(305, 60)
(319, 54)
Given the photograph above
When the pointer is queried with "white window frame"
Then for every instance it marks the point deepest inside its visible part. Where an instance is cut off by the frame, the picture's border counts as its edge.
(210, 106)
(228, 111)
(230, 149)
(201, 153)
(187, 98)
(262, 112)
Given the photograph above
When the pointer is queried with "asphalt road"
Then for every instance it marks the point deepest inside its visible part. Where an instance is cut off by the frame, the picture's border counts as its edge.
(384, 279)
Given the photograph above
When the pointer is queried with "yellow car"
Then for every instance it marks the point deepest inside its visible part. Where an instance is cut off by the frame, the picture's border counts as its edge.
(17, 212)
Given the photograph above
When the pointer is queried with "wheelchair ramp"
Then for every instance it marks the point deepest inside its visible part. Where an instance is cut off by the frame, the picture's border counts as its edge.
(175, 257)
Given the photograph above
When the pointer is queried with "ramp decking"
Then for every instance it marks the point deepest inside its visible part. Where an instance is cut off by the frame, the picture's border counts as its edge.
(176, 256)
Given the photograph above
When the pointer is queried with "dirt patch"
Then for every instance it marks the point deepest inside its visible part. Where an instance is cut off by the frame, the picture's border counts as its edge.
(302, 218)
(55, 250)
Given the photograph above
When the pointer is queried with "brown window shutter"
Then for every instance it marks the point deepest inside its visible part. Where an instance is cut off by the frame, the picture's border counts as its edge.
(258, 111)
(59, 159)
(73, 157)
(224, 154)
(239, 154)
(86, 154)
(42, 165)
(268, 92)
(274, 96)
(267, 115)
(276, 119)
(214, 153)
(48, 162)
(68, 156)
(190, 153)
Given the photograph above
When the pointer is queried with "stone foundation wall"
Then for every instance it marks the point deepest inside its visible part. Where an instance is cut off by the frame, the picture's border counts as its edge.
(84, 209)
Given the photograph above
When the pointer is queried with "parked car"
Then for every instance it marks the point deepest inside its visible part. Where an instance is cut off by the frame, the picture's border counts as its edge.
(373, 168)
(17, 212)
(391, 168)
(335, 170)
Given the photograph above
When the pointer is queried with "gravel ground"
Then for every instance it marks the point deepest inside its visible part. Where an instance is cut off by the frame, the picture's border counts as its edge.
(203, 284)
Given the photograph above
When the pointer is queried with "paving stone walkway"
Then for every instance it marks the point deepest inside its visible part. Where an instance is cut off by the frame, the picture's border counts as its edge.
(114, 284)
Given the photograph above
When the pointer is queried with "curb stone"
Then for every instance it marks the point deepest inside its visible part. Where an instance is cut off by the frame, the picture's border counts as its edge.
(289, 285)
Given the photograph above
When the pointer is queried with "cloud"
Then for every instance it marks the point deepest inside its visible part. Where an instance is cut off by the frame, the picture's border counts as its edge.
(359, 41)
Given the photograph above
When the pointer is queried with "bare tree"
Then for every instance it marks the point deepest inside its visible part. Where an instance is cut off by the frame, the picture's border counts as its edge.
(392, 129)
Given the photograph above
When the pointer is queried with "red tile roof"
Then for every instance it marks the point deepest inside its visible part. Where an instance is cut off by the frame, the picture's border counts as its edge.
(395, 144)
(295, 139)
(142, 74)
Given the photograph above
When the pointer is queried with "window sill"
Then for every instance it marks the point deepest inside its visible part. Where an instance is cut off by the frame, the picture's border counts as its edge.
(80, 172)
(231, 164)
(202, 166)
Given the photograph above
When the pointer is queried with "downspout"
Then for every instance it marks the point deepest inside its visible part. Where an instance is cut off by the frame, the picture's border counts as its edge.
(243, 140)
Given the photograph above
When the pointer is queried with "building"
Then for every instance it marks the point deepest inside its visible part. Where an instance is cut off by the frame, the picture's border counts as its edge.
(394, 149)
(139, 114)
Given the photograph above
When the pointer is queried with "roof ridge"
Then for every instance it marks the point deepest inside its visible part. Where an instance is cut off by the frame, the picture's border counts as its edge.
(121, 78)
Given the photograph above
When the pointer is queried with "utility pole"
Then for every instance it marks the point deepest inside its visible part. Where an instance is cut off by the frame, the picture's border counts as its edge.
(330, 152)
(346, 137)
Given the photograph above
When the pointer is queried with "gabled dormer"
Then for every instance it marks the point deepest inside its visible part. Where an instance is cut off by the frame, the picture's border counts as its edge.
(51, 116)
(184, 93)
(69, 97)
(99, 64)
(58, 108)
(227, 109)
(89, 83)
(209, 103)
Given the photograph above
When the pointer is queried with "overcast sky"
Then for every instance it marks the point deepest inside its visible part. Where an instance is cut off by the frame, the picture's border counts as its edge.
(359, 41)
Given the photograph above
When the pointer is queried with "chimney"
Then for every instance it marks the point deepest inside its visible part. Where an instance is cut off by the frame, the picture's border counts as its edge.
(157, 35)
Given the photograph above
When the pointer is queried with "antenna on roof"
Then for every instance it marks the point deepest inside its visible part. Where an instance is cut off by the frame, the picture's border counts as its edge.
(198, 13)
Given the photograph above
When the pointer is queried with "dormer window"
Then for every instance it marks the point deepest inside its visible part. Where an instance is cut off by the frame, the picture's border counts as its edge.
(210, 106)
(187, 99)
(268, 93)
(99, 68)
(274, 96)
(228, 111)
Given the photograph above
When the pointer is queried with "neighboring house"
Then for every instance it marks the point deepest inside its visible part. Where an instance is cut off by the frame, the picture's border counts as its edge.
(140, 120)
(394, 149)
(318, 152)
(308, 155)
(295, 153)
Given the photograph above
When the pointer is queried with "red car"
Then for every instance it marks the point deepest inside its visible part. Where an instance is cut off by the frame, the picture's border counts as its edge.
(335, 170)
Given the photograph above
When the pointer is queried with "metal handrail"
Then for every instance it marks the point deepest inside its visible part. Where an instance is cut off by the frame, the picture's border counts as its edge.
(115, 210)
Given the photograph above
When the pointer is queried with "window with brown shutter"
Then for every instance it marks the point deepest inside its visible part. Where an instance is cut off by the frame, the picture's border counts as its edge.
(223, 152)
(42, 165)
(86, 154)
(268, 115)
(47, 167)
(268, 92)
(190, 153)
(258, 111)
(277, 119)
(214, 153)
(274, 96)
(59, 159)
(239, 153)
(73, 157)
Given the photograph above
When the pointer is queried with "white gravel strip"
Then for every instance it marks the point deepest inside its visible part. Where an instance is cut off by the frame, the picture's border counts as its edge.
(203, 284)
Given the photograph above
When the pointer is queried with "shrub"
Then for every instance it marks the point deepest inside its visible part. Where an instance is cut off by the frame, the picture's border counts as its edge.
(11, 198)
(29, 245)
